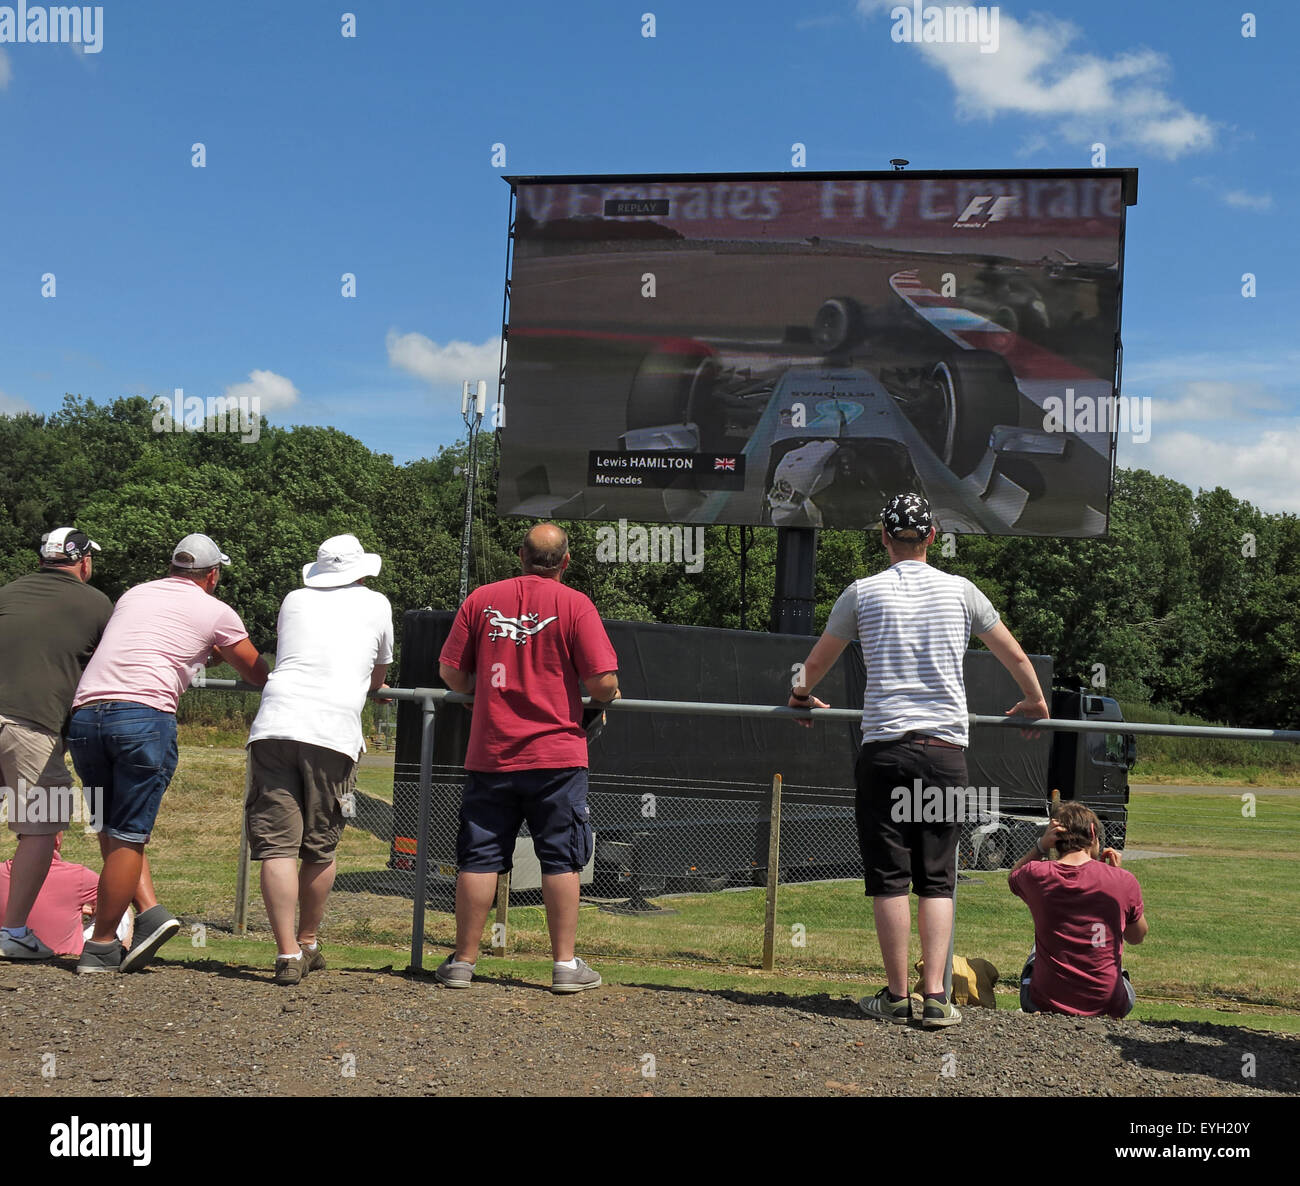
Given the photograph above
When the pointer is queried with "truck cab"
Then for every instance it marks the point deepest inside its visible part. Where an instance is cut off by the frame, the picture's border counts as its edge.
(1093, 768)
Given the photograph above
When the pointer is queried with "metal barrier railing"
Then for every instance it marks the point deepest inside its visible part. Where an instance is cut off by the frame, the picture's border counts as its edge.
(430, 698)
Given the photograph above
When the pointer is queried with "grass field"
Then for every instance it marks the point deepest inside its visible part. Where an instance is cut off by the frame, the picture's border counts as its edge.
(1225, 930)
(1222, 909)
(1205, 761)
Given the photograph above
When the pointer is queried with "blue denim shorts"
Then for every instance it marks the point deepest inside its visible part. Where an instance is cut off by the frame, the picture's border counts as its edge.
(554, 802)
(125, 755)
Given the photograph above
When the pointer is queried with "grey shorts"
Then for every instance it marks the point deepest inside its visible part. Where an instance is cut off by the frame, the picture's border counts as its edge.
(34, 781)
(295, 799)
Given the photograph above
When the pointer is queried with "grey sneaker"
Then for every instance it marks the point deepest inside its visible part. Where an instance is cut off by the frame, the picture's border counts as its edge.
(153, 928)
(883, 1009)
(574, 979)
(315, 960)
(29, 947)
(290, 971)
(454, 973)
(938, 1014)
(100, 957)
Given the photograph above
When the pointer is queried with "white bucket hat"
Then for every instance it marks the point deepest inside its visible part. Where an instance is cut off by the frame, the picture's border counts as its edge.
(340, 560)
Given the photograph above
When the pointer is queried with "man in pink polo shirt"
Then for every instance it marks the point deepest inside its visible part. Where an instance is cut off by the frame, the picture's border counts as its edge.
(526, 647)
(122, 737)
(1085, 909)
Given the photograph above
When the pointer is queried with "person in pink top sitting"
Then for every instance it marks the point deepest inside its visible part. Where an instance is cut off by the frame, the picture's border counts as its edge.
(1085, 908)
(65, 905)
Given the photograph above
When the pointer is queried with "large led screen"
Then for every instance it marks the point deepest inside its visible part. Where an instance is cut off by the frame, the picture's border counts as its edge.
(791, 351)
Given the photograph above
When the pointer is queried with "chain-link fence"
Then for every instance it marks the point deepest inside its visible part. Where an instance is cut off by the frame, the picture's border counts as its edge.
(680, 870)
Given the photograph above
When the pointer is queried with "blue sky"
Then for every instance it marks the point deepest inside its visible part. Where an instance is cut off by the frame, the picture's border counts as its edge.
(373, 155)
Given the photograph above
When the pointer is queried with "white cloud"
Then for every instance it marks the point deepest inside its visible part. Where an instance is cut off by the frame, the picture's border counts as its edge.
(274, 391)
(1262, 467)
(1211, 399)
(1245, 201)
(452, 363)
(6, 71)
(1170, 376)
(1222, 419)
(1239, 198)
(1034, 71)
(12, 405)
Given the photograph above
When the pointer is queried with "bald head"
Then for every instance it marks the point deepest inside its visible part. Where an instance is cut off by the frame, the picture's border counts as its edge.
(545, 551)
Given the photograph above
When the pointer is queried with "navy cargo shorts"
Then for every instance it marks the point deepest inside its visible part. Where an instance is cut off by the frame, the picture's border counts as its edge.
(554, 802)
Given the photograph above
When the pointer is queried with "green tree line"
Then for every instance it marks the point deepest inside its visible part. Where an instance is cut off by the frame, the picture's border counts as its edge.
(1192, 603)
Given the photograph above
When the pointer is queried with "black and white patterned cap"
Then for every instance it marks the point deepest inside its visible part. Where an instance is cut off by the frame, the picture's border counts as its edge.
(66, 545)
(907, 517)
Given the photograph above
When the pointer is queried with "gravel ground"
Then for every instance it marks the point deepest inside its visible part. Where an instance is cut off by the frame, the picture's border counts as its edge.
(211, 1029)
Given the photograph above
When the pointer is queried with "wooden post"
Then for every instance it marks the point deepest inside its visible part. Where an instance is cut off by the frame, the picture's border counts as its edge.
(241, 874)
(773, 873)
(503, 914)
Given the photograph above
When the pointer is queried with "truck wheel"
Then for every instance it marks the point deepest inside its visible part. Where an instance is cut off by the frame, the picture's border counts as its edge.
(838, 324)
(995, 849)
(674, 388)
(977, 391)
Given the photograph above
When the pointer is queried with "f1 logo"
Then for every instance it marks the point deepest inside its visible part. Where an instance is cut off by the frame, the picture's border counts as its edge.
(984, 209)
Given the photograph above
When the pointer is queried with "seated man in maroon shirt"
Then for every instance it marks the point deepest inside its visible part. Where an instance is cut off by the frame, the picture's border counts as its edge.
(526, 647)
(1085, 908)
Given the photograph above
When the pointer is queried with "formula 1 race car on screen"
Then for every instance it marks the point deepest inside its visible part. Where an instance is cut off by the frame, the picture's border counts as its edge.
(853, 408)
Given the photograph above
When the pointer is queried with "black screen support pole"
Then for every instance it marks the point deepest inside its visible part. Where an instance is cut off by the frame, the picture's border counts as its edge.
(793, 601)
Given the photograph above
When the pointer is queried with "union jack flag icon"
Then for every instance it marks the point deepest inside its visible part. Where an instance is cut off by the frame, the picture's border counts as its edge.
(724, 463)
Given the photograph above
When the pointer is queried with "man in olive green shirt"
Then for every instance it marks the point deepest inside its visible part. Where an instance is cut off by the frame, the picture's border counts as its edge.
(51, 621)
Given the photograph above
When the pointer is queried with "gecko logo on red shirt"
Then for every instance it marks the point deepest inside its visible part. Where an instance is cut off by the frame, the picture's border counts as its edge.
(519, 629)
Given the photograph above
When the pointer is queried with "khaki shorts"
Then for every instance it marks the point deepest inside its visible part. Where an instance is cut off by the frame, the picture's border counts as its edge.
(35, 785)
(295, 799)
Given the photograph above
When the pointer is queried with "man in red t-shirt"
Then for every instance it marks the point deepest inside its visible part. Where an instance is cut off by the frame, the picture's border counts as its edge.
(526, 647)
(1085, 908)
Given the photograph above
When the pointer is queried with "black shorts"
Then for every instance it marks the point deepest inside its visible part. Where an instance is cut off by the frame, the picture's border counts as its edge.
(900, 845)
(554, 802)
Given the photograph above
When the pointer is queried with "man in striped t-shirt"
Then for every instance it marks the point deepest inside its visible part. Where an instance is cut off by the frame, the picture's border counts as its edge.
(914, 624)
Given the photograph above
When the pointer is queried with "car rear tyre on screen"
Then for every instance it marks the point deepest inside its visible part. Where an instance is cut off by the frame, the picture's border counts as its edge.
(839, 324)
(977, 391)
(674, 388)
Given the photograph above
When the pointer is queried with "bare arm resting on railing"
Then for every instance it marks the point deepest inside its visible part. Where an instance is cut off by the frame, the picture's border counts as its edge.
(243, 657)
(1009, 653)
(603, 688)
(812, 671)
(455, 679)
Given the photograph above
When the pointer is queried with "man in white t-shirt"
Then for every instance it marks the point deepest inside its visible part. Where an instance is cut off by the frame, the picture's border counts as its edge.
(335, 642)
(914, 624)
